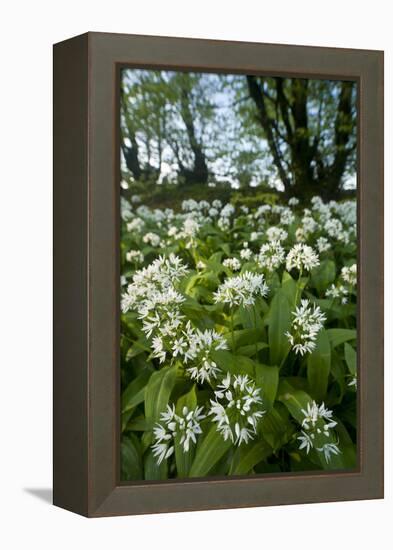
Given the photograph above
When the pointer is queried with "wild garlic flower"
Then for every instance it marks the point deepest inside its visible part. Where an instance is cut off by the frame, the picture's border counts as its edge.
(276, 234)
(323, 244)
(316, 427)
(198, 354)
(302, 257)
(185, 425)
(353, 382)
(306, 324)
(232, 263)
(293, 201)
(271, 256)
(135, 256)
(337, 292)
(246, 253)
(241, 290)
(224, 224)
(349, 274)
(152, 238)
(135, 225)
(237, 408)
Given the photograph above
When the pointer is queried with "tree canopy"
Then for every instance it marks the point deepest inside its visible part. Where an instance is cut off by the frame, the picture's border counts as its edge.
(297, 136)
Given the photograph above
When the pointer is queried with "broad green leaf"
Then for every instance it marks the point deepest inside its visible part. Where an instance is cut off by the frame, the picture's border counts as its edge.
(245, 337)
(323, 275)
(266, 378)
(209, 452)
(235, 364)
(135, 391)
(276, 426)
(131, 462)
(289, 287)
(158, 391)
(247, 456)
(153, 470)
(318, 367)
(350, 358)
(279, 324)
(294, 400)
(338, 336)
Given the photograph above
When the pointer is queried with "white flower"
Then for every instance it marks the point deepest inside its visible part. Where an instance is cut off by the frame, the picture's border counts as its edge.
(316, 425)
(306, 324)
(349, 274)
(276, 234)
(152, 238)
(137, 224)
(302, 257)
(271, 256)
(329, 449)
(354, 382)
(200, 346)
(237, 408)
(135, 256)
(186, 425)
(232, 263)
(293, 201)
(245, 253)
(323, 244)
(200, 265)
(254, 236)
(241, 290)
(224, 224)
(338, 292)
(190, 227)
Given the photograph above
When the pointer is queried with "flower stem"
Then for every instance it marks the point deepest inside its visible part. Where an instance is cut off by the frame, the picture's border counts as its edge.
(298, 285)
(233, 334)
(255, 326)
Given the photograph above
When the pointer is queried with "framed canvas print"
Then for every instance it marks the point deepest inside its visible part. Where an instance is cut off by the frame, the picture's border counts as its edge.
(218, 274)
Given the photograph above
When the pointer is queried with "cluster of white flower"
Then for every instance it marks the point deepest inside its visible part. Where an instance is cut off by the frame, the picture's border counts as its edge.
(307, 322)
(338, 292)
(271, 256)
(232, 263)
(301, 257)
(323, 245)
(241, 290)
(186, 426)
(135, 256)
(316, 425)
(237, 408)
(196, 347)
(274, 234)
(152, 238)
(349, 274)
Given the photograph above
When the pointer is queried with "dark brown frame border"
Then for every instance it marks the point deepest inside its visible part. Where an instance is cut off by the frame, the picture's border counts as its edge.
(86, 278)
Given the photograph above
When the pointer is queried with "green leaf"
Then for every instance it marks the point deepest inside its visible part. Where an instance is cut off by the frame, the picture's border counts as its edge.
(209, 452)
(318, 366)
(294, 400)
(279, 324)
(247, 456)
(246, 337)
(135, 391)
(235, 364)
(267, 379)
(289, 287)
(131, 463)
(276, 426)
(154, 471)
(350, 358)
(158, 391)
(323, 275)
(338, 336)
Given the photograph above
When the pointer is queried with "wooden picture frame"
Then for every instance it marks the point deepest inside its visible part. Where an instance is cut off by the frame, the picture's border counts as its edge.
(86, 274)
